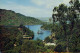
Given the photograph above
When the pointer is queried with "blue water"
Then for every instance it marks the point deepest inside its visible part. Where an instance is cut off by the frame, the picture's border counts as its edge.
(35, 29)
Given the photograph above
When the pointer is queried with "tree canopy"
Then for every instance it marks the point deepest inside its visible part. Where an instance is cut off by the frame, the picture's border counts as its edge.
(68, 18)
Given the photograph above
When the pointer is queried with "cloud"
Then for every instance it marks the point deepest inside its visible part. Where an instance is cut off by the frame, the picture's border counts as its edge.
(42, 8)
(66, 1)
(38, 2)
(49, 3)
(27, 10)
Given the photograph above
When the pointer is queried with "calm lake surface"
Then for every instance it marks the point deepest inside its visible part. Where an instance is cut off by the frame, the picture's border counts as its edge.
(35, 29)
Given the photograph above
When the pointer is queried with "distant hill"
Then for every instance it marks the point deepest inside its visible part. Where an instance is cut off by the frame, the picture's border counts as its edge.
(45, 19)
(9, 17)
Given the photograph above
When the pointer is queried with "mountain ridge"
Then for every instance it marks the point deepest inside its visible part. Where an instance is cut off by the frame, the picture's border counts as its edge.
(9, 17)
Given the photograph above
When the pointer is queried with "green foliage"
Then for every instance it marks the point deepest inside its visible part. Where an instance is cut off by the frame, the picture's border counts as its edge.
(11, 18)
(49, 48)
(58, 48)
(33, 46)
(26, 31)
(67, 32)
(11, 38)
(47, 26)
(47, 39)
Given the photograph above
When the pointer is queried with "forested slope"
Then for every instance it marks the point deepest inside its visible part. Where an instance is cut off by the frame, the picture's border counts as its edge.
(8, 17)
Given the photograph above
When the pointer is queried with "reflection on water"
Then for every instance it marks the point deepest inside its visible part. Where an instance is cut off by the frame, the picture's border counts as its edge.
(35, 29)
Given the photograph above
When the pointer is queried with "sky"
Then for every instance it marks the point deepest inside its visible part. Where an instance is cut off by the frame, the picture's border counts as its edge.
(33, 8)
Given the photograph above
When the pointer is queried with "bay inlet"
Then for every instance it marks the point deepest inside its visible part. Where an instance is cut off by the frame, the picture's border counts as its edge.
(35, 29)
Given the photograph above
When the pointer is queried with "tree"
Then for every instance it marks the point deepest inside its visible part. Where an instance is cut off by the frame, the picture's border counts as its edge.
(58, 48)
(47, 39)
(68, 18)
(33, 46)
(61, 17)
